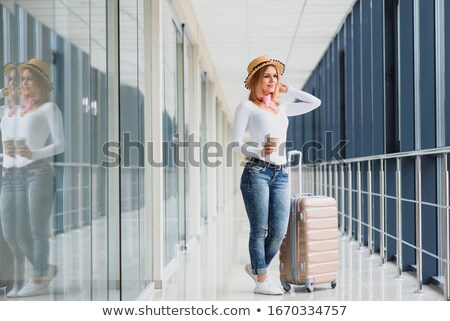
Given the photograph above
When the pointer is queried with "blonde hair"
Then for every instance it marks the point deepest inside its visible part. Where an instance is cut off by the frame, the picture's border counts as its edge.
(43, 87)
(255, 86)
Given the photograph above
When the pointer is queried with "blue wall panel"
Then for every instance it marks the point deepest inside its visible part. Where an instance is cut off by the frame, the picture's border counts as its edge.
(357, 88)
(366, 99)
(428, 130)
(405, 68)
(406, 75)
(378, 108)
(366, 69)
(349, 87)
(335, 92)
(342, 89)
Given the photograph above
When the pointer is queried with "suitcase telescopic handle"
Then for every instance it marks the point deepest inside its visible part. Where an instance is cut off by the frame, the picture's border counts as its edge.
(291, 155)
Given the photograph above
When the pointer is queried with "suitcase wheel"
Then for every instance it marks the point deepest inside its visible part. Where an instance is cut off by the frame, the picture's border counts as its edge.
(308, 285)
(333, 284)
(286, 287)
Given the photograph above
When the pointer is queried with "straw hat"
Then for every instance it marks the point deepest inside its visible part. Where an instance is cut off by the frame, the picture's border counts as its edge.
(8, 67)
(39, 66)
(260, 62)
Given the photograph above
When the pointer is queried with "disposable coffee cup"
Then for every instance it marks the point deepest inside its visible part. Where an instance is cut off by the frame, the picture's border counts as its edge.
(19, 142)
(273, 141)
(8, 143)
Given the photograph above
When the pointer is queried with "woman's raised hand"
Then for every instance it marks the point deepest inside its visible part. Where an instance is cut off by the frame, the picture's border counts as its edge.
(283, 88)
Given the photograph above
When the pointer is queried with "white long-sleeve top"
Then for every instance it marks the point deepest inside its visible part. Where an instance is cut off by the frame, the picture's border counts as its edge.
(38, 127)
(260, 123)
(8, 128)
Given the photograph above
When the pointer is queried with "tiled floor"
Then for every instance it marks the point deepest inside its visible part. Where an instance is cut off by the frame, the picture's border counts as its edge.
(360, 277)
(203, 273)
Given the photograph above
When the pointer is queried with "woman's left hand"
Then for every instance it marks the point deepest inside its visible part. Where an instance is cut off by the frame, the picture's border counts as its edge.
(25, 152)
(283, 88)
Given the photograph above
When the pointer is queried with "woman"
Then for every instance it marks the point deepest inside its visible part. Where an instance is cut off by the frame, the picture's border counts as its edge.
(9, 221)
(264, 181)
(39, 137)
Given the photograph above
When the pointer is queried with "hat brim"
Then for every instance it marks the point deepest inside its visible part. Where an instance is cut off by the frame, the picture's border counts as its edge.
(279, 66)
(36, 68)
(8, 67)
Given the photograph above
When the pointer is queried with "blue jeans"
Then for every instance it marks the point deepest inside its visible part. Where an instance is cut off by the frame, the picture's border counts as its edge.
(11, 223)
(34, 205)
(266, 196)
(6, 261)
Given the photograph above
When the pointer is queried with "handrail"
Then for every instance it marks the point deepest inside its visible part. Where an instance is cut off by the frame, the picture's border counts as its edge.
(414, 153)
(322, 182)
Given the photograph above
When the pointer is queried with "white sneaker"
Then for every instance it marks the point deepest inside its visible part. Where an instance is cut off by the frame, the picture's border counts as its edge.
(33, 289)
(13, 292)
(248, 269)
(267, 287)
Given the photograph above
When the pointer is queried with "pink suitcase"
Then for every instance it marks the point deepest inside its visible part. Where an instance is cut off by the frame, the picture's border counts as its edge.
(309, 252)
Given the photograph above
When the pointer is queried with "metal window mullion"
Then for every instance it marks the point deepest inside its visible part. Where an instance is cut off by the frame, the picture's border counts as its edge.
(23, 34)
(398, 67)
(317, 190)
(6, 35)
(350, 205)
(382, 214)
(38, 46)
(440, 72)
(318, 182)
(419, 281)
(330, 181)
(342, 203)
(446, 234)
(323, 180)
(417, 125)
(336, 183)
(440, 119)
(369, 207)
(398, 214)
(359, 203)
(307, 178)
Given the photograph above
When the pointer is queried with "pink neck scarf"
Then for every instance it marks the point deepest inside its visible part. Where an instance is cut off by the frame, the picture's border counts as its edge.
(269, 103)
(28, 105)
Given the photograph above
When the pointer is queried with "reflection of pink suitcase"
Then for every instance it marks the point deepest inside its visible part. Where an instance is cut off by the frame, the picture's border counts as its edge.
(309, 252)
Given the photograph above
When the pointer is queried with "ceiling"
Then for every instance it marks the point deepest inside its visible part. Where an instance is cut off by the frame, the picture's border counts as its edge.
(296, 32)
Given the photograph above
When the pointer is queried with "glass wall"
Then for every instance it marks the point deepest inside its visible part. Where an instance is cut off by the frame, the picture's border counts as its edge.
(97, 96)
(132, 97)
(188, 106)
(173, 125)
(73, 59)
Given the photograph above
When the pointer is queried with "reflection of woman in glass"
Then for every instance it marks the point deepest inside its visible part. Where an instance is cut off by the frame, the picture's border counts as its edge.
(39, 137)
(9, 221)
